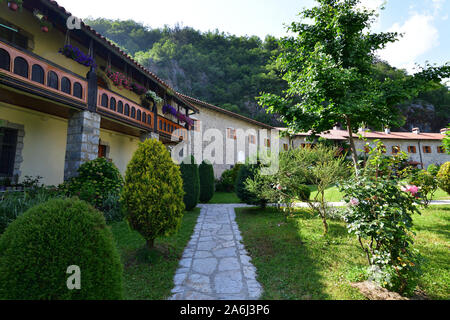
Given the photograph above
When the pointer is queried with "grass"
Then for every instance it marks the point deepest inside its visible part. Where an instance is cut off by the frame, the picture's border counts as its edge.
(148, 274)
(294, 260)
(224, 197)
(332, 194)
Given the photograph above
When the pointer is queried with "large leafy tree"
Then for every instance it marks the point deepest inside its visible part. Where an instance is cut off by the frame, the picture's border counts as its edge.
(329, 67)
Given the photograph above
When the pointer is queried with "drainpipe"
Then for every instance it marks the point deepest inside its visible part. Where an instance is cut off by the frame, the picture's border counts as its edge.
(420, 153)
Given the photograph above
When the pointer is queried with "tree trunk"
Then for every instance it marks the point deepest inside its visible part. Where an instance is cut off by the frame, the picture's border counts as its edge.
(150, 243)
(352, 145)
(325, 224)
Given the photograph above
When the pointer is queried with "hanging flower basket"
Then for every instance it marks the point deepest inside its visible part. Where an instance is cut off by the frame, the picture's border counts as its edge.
(76, 54)
(168, 109)
(43, 20)
(15, 5)
(138, 89)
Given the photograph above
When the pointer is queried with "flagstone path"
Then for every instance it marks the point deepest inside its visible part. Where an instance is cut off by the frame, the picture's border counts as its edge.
(215, 264)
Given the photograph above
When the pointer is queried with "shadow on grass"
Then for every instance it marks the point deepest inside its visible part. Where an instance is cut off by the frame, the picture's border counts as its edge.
(285, 265)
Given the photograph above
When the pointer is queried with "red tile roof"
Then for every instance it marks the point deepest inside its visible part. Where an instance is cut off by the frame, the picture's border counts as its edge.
(343, 135)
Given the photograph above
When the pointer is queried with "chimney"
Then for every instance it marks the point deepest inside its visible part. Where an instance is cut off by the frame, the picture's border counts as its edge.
(387, 130)
(444, 130)
(416, 130)
(337, 127)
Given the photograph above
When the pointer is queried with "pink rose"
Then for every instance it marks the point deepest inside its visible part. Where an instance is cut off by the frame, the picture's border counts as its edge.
(412, 189)
(278, 186)
(354, 201)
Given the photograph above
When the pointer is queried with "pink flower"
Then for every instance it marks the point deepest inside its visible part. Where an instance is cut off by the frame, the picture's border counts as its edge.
(354, 201)
(412, 189)
(278, 186)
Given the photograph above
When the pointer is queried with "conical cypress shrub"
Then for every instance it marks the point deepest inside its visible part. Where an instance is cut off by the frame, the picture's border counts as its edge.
(206, 173)
(191, 182)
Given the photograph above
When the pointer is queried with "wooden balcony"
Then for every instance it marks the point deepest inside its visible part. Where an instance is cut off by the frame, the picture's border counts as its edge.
(123, 109)
(28, 72)
(168, 127)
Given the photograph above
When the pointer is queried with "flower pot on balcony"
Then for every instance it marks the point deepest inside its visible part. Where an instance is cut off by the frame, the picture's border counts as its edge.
(13, 6)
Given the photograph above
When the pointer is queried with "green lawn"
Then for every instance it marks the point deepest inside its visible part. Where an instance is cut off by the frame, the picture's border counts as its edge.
(294, 260)
(332, 194)
(224, 197)
(150, 275)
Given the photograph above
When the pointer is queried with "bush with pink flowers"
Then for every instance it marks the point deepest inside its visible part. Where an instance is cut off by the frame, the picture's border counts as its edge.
(379, 213)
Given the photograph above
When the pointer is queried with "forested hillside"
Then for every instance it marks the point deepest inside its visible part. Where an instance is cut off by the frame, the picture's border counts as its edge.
(230, 71)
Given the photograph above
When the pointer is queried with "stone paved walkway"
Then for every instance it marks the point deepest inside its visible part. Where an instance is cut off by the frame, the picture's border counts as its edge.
(215, 264)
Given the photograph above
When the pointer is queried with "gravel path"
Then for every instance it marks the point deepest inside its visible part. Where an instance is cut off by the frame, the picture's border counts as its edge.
(215, 264)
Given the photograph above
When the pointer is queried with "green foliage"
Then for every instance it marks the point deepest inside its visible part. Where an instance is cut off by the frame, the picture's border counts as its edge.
(153, 192)
(444, 177)
(13, 204)
(38, 247)
(97, 180)
(427, 183)
(219, 68)
(446, 141)
(433, 169)
(329, 68)
(191, 182)
(248, 172)
(227, 181)
(206, 173)
(380, 215)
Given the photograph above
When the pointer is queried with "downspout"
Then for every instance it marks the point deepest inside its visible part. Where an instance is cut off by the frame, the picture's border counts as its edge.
(420, 153)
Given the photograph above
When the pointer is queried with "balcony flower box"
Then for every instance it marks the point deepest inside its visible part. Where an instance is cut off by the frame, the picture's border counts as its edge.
(76, 54)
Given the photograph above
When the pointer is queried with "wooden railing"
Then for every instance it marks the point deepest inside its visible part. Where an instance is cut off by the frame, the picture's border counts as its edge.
(124, 108)
(32, 70)
(169, 127)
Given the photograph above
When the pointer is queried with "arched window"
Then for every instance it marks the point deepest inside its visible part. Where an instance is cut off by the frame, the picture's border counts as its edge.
(78, 90)
(127, 109)
(52, 80)
(165, 126)
(133, 112)
(149, 119)
(21, 67)
(144, 117)
(37, 73)
(105, 100)
(160, 124)
(5, 60)
(120, 107)
(112, 104)
(138, 115)
(66, 85)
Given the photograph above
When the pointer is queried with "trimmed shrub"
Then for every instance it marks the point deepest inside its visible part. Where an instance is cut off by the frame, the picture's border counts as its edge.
(153, 192)
(227, 180)
(247, 171)
(191, 183)
(96, 181)
(38, 247)
(206, 174)
(444, 177)
(433, 169)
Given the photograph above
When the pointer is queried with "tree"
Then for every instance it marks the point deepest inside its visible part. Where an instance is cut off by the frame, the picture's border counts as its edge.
(191, 182)
(446, 140)
(153, 192)
(329, 67)
(206, 173)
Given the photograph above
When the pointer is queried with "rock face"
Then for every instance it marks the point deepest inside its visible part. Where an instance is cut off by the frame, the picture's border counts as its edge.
(423, 116)
(372, 291)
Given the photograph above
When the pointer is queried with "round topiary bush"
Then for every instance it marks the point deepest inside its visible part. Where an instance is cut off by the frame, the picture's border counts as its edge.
(97, 180)
(153, 192)
(191, 183)
(206, 173)
(444, 177)
(38, 247)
